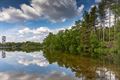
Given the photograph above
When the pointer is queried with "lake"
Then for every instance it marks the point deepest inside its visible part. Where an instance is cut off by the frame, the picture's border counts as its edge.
(41, 65)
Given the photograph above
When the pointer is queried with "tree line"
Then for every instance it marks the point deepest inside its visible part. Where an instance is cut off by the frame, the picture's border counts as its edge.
(21, 46)
(90, 36)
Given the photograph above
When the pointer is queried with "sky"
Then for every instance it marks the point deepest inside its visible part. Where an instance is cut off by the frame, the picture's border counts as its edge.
(32, 20)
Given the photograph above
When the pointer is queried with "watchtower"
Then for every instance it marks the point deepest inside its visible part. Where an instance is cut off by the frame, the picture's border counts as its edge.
(3, 39)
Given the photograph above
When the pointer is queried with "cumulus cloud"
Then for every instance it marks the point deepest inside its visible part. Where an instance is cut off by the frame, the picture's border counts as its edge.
(37, 34)
(25, 30)
(12, 14)
(24, 33)
(39, 30)
(53, 10)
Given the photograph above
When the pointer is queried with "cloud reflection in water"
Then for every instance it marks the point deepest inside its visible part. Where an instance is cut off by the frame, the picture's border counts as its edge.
(22, 76)
(36, 59)
(105, 74)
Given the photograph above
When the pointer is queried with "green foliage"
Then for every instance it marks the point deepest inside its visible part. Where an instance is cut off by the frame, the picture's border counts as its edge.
(94, 44)
(64, 41)
(24, 46)
(116, 9)
(85, 38)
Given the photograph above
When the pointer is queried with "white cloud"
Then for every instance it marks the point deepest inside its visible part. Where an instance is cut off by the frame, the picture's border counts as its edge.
(25, 30)
(29, 11)
(22, 34)
(80, 9)
(41, 30)
(53, 10)
(12, 14)
(37, 34)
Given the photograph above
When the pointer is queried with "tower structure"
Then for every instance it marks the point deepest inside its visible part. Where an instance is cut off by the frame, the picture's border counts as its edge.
(3, 39)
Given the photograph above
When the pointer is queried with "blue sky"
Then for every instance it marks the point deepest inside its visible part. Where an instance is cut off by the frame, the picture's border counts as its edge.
(32, 20)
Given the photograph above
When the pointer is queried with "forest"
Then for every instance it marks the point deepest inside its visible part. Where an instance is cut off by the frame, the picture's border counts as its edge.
(21, 46)
(94, 35)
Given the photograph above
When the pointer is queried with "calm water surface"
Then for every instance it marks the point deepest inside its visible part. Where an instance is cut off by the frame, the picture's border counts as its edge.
(49, 66)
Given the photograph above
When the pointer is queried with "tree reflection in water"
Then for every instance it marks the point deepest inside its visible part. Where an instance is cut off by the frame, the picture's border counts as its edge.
(85, 68)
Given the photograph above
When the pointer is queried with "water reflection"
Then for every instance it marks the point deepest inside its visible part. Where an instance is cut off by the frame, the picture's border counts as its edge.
(37, 59)
(105, 74)
(31, 66)
(84, 67)
(3, 54)
(23, 76)
(54, 66)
